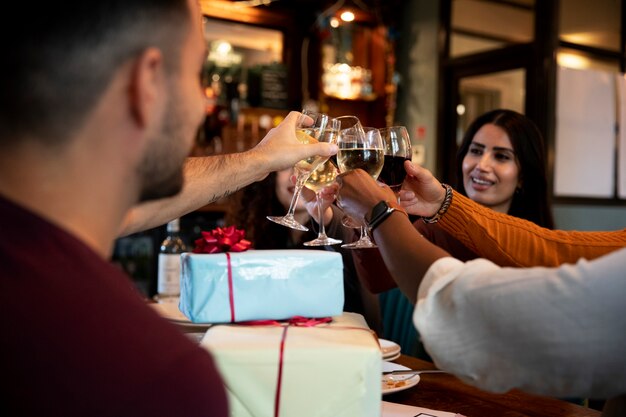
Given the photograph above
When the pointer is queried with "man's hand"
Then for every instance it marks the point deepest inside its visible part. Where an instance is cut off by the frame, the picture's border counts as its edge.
(421, 194)
(280, 149)
(359, 192)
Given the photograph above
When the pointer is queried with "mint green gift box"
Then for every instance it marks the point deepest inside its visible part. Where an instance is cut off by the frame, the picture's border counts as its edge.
(330, 370)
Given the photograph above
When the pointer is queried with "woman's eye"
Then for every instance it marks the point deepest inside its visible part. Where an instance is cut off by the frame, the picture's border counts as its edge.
(502, 157)
(475, 151)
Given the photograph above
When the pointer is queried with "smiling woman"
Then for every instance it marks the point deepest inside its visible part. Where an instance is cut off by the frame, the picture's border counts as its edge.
(490, 169)
(501, 164)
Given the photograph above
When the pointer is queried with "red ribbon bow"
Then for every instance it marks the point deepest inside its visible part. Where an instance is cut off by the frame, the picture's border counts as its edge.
(226, 239)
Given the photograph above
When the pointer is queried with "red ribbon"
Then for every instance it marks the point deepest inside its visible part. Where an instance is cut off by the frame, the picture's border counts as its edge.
(231, 293)
(279, 382)
(226, 239)
(295, 321)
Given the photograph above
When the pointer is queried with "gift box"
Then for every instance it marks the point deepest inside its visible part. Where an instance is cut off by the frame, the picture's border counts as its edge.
(324, 370)
(261, 284)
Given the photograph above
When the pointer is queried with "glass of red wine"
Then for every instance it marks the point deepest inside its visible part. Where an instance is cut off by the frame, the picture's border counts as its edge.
(363, 151)
(397, 144)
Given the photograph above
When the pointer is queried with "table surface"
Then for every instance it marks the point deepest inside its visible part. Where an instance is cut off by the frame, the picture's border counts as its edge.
(447, 393)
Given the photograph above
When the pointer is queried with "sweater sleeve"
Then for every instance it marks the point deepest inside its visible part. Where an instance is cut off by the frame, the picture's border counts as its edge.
(510, 241)
(552, 331)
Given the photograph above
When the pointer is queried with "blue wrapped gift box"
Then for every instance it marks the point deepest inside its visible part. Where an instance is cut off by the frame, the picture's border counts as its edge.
(263, 285)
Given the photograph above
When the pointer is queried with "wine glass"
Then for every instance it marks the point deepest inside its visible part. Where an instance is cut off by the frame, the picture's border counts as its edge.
(322, 177)
(397, 145)
(310, 128)
(360, 148)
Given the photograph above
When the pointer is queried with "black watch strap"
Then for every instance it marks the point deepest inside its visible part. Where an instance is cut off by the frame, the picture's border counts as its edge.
(379, 214)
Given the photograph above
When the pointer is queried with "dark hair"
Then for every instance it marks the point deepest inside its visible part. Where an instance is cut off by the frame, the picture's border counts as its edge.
(61, 56)
(248, 211)
(530, 201)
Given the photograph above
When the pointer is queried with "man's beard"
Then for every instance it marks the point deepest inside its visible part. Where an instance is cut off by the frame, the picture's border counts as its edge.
(161, 170)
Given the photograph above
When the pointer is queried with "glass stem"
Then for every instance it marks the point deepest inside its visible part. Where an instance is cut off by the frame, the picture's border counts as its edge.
(363, 233)
(300, 180)
(322, 232)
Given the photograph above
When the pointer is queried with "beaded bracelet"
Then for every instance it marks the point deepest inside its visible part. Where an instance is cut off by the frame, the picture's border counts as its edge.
(444, 206)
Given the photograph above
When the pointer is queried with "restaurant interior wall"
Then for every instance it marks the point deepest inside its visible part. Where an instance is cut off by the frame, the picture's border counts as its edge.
(417, 66)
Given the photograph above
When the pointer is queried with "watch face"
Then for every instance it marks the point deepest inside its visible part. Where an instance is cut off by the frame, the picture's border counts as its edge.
(379, 209)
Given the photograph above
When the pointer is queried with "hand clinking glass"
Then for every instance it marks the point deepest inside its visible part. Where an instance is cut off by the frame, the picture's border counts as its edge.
(311, 127)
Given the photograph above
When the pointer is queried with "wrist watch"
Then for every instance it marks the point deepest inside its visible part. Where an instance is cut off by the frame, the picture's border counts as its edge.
(379, 214)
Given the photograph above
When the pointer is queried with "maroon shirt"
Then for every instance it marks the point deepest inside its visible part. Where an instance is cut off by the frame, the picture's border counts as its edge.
(78, 340)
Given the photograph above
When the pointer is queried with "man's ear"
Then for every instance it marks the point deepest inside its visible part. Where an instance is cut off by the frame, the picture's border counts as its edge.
(147, 80)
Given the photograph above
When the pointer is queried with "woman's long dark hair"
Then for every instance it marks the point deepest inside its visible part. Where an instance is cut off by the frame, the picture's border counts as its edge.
(530, 201)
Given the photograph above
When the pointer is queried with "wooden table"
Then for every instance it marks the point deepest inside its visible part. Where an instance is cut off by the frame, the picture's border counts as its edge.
(447, 393)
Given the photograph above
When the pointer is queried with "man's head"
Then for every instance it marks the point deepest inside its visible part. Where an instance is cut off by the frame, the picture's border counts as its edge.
(63, 57)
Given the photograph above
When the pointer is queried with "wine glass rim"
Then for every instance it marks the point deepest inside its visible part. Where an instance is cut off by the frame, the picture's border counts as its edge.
(389, 128)
(356, 121)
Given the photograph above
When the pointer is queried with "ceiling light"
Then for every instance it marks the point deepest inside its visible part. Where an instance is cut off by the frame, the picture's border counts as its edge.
(347, 16)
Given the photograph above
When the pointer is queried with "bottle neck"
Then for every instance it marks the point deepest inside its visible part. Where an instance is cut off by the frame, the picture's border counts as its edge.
(174, 226)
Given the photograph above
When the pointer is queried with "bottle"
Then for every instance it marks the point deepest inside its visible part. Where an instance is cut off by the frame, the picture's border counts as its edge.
(168, 283)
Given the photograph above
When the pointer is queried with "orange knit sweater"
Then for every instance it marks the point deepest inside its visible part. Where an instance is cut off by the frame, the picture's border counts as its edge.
(510, 241)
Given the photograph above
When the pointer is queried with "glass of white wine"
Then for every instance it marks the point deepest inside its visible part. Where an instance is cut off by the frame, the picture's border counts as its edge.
(323, 176)
(310, 128)
(360, 148)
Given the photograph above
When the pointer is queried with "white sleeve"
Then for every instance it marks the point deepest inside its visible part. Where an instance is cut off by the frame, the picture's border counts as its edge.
(553, 331)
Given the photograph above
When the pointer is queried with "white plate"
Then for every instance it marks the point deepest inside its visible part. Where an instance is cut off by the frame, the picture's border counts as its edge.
(170, 311)
(402, 381)
(393, 357)
(389, 348)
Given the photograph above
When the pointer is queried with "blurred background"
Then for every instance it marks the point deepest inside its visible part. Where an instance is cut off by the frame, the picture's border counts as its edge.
(431, 65)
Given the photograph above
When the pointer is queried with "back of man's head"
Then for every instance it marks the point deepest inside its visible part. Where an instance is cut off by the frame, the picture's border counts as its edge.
(59, 57)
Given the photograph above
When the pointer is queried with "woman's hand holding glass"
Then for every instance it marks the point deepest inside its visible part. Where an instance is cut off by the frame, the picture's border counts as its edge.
(322, 183)
(422, 194)
(311, 127)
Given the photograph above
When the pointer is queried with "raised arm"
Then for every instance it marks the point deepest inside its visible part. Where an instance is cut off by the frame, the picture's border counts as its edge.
(504, 239)
(406, 253)
(210, 178)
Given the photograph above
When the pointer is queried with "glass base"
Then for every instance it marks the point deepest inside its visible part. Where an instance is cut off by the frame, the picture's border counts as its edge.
(288, 221)
(362, 243)
(322, 241)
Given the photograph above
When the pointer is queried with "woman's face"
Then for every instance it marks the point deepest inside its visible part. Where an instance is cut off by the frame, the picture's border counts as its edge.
(285, 188)
(490, 169)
